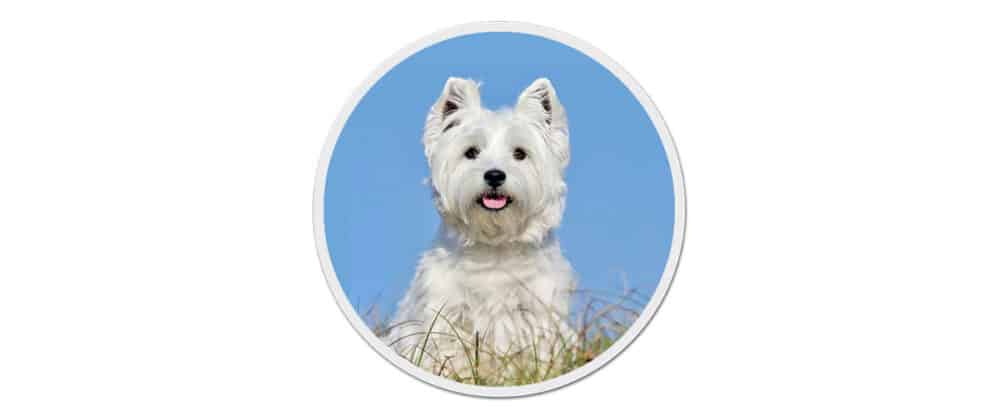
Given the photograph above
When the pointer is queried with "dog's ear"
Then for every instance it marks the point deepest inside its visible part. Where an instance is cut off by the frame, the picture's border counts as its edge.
(540, 104)
(459, 98)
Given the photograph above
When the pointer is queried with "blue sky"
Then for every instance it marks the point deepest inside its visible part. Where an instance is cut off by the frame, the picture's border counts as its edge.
(379, 215)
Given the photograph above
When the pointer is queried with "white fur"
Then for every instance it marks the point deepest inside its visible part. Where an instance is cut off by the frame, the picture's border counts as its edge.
(498, 276)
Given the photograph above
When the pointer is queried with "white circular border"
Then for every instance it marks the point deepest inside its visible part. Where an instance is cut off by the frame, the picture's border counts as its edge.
(319, 228)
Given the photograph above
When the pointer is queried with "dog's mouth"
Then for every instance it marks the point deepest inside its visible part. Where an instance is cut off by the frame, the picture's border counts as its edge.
(494, 200)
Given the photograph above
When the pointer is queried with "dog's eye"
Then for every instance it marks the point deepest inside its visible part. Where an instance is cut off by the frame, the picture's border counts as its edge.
(520, 154)
(472, 152)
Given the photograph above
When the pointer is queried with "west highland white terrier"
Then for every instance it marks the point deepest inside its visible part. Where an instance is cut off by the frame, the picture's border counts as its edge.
(494, 284)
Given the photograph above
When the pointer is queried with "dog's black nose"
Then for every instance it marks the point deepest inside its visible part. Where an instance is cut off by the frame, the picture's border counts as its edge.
(494, 177)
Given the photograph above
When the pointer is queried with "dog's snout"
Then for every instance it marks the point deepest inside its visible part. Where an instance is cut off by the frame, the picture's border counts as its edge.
(495, 177)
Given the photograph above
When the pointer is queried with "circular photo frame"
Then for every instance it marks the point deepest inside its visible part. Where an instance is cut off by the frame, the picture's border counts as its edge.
(493, 212)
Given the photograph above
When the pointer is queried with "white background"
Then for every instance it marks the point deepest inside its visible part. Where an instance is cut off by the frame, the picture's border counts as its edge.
(156, 174)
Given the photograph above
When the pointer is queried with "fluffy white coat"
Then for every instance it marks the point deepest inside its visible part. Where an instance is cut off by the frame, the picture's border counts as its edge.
(495, 278)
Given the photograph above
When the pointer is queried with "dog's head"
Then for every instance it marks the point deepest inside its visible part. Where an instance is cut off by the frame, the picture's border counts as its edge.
(498, 175)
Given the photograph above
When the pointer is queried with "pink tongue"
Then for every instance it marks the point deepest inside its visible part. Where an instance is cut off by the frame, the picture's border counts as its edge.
(495, 202)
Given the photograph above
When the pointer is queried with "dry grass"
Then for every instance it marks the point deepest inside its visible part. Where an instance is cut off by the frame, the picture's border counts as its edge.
(599, 319)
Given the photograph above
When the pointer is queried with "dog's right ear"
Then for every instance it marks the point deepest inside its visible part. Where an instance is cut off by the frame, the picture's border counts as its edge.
(459, 98)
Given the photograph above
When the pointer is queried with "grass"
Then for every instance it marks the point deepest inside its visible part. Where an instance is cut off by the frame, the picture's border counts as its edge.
(597, 322)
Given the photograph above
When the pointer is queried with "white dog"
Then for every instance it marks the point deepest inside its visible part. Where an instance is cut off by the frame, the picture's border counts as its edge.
(495, 282)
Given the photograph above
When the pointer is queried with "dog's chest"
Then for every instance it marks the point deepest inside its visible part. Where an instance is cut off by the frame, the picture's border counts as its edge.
(497, 280)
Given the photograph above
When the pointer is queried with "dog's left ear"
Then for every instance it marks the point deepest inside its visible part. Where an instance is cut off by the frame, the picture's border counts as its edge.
(459, 97)
(540, 104)
(458, 100)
